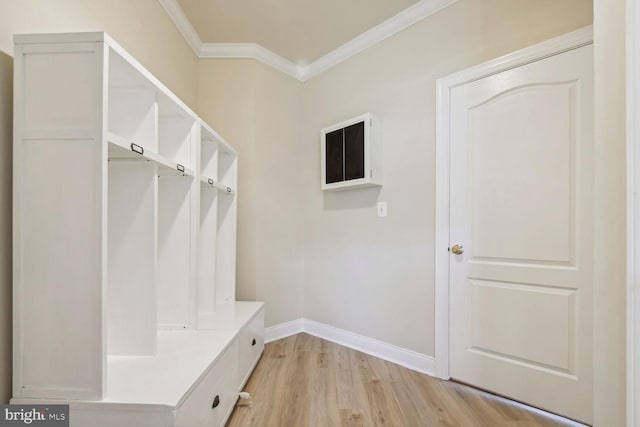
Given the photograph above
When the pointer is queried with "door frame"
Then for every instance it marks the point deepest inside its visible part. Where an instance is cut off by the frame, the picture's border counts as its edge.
(633, 211)
(444, 86)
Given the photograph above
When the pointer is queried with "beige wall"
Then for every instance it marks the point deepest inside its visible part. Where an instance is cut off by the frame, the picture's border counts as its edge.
(278, 215)
(142, 27)
(609, 352)
(6, 117)
(257, 109)
(375, 276)
(226, 102)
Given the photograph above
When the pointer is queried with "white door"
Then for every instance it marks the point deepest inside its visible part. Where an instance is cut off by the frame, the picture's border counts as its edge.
(521, 206)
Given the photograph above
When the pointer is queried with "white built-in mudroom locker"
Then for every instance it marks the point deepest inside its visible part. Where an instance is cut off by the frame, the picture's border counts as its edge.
(135, 323)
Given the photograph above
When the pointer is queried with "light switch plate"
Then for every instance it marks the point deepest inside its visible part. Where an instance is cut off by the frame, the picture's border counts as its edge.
(382, 209)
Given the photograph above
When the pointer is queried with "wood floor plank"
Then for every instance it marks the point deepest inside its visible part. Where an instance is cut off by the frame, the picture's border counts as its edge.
(323, 403)
(295, 405)
(357, 362)
(449, 410)
(266, 373)
(340, 356)
(412, 408)
(382, 403)
(485, 413)
(304, 381)
(350, 418)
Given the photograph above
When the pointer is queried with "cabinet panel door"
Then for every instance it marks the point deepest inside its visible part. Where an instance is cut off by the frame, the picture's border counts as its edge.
(354, 151)
(251, 346)
(335, 156)
(58, 276)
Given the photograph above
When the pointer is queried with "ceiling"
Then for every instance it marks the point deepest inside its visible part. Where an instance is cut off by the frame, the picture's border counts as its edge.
(301, 31)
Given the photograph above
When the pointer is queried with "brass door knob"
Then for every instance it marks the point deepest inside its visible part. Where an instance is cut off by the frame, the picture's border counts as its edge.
(457, 249)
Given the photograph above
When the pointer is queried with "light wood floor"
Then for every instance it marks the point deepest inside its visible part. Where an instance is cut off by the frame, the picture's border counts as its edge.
(306, 381)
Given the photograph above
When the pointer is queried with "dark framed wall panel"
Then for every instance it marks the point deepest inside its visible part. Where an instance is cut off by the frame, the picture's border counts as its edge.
(351, 154)
(354, 151)
(334, 149)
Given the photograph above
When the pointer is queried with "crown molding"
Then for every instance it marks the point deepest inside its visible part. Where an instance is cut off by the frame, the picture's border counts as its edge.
(252, 51)
(373, 36)
(175, 12)
(403, 20)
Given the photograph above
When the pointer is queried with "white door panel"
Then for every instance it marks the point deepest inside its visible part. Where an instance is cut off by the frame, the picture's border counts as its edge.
(534, 184)
(521, 205)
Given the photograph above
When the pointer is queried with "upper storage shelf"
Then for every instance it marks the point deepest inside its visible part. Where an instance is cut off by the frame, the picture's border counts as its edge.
(121, 149)
(145, 116)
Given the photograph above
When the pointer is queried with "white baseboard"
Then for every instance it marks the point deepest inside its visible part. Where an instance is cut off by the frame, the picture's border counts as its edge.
(283, 330)
(398, 355)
